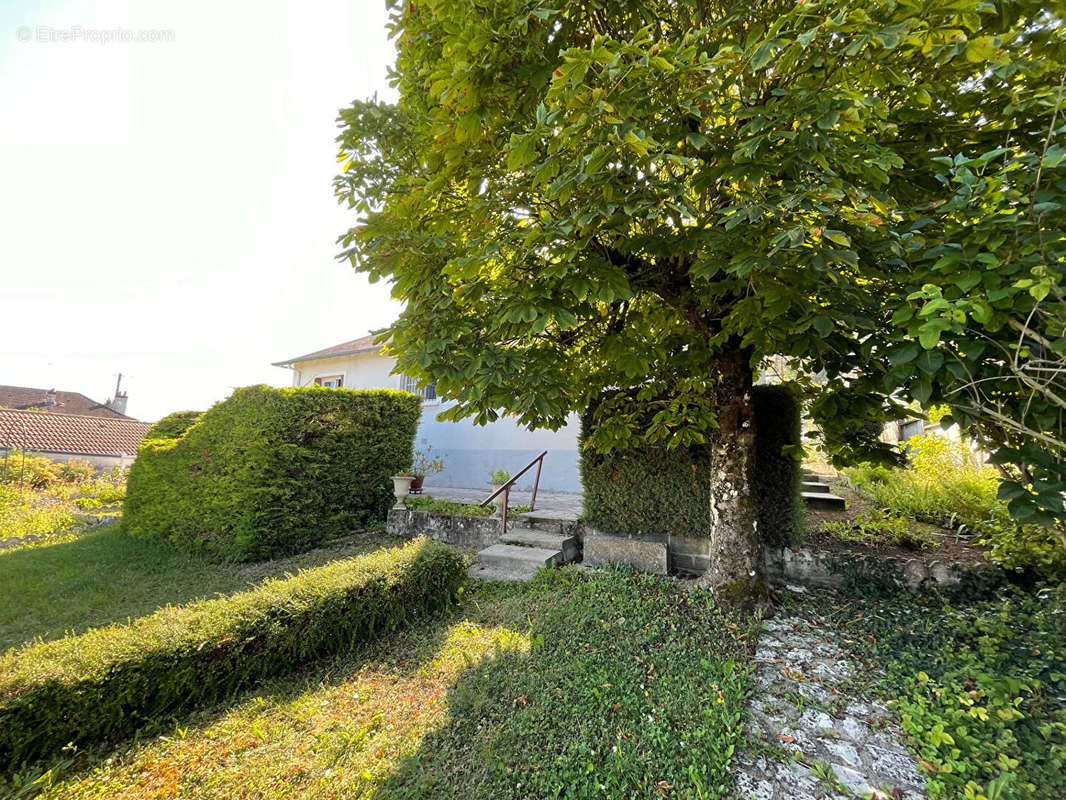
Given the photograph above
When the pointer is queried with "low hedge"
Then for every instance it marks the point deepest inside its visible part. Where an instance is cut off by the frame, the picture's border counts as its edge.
(273, 472)
(647, 490)
(110, 681)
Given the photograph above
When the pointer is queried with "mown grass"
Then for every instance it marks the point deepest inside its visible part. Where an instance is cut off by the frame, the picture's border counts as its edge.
(606, 684)
(106, 576)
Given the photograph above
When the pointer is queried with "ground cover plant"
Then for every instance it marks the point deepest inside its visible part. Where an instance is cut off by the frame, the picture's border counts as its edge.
(977, 678)
(112, 680)
(609, 684)
(453, 508)
(944, 484)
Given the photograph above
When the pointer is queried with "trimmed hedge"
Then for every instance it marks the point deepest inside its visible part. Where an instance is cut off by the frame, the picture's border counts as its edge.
(173, 426)
(778, 469)
(111, 681)
(648, 490)
(273, 472)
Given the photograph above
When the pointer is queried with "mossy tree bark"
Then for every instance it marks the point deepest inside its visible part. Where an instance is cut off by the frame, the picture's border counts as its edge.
(736, 571)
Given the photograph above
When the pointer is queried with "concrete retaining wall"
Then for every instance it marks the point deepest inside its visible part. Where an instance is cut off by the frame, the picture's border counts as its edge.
(476, 532)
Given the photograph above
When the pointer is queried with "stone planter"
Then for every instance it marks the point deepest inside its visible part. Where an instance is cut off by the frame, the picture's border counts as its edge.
(401, 488)
(500, 500)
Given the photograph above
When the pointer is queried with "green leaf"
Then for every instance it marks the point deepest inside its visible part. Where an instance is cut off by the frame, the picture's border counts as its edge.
(903, 354)
(523, 149)
(930, 361)
(823, 325)
(763, 55)
(981, 49)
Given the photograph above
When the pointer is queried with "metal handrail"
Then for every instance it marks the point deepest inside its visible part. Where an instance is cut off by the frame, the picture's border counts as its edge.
(506, 488)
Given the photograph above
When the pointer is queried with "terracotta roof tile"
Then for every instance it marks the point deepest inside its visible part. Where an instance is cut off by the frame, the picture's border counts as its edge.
(42, 431)
(23, 397)
(364, 344)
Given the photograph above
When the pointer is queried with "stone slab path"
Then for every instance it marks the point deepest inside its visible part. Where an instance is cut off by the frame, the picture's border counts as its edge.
(828, 743)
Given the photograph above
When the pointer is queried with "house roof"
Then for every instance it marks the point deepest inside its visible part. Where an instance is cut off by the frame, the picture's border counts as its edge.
(50, 432)
(23, 397)
(362, 345)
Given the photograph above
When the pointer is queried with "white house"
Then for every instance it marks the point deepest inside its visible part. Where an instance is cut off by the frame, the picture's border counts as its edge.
(471, 452)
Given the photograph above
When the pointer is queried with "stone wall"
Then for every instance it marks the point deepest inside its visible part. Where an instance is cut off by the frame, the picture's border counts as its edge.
(820, 568)
(691, 556)
(476, 532)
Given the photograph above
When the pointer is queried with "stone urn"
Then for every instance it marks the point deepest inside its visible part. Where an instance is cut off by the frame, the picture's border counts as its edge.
(401, 487)
(499, 501)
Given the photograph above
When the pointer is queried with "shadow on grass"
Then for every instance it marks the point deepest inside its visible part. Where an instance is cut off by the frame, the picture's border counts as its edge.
(629, 689)
(409, 651)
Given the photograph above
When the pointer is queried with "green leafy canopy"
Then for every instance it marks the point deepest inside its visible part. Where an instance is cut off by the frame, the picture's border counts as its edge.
(587, 196)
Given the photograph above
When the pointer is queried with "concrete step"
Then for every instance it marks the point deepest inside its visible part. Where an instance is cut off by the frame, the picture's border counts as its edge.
(816, 486)
(546, 520)
(823, 502)
(519, 558)
(546, 540)
(487, 573)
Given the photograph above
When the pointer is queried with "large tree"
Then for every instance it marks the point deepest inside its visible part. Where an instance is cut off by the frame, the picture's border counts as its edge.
(649, 197)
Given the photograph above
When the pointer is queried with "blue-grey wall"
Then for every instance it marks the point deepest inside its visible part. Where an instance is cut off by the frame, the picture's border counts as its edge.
(472, 452)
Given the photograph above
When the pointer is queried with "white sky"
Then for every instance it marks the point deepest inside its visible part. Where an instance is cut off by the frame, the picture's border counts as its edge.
(166, 208)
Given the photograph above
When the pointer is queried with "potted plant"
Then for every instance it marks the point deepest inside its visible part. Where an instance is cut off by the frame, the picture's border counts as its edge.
(498, 479)
(401, 487)
(425, 463)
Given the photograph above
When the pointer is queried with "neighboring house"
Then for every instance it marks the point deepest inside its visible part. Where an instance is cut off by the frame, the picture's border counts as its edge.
(104, 441)
(471, 452)
(24, 398)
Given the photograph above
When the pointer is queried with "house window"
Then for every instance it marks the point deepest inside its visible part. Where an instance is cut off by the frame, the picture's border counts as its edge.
(330, 381)
(427, 393)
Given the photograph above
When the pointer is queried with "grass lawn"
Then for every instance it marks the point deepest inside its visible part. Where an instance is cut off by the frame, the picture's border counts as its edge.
(578, 684)
(78, 582)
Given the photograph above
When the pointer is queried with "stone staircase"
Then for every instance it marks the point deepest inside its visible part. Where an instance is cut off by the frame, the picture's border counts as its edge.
(817, 494)
(538, 539)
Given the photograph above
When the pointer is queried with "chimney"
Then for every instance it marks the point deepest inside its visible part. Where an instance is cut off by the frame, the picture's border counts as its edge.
(50, 397)
(118, 404)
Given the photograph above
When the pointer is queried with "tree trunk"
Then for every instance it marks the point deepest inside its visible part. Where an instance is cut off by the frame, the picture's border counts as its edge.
(736, 572)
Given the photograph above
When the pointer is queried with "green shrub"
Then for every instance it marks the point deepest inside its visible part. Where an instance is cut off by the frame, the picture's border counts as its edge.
(272, 472)
(76, 470)
(778, 464)
(110, 681)
(945, 485)
(28, 469)
(650, 490)
(173, 426)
